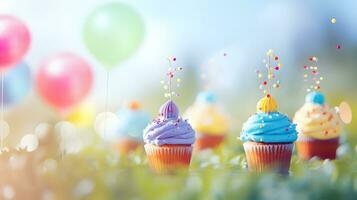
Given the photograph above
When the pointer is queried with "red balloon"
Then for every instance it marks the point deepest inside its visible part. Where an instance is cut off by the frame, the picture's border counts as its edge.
(14, 41)
(64, 80)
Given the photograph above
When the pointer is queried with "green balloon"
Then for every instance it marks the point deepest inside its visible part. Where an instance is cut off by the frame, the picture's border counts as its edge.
(113, 32)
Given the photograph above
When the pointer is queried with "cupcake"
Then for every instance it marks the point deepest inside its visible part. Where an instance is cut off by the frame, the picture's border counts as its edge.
(169, 140)
(268, 138)
(319, 128)
(209, 122)
(132, 122)
(268, 135)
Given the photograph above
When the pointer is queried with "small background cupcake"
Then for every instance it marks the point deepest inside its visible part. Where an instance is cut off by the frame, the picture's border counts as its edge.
(268, 135)
(208, 120)
(132, 122)
(319, 125)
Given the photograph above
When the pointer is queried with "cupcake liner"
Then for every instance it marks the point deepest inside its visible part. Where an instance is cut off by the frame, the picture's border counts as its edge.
(262, 157)
(308, 147)
(168, 158)
(207, 141)
(125, 146)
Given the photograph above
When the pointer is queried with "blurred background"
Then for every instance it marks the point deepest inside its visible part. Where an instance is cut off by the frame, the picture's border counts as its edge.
(219, 44)
(226, 40)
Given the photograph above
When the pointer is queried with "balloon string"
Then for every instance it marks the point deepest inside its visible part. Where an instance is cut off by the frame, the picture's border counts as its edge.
(2, 109)
(106, 104)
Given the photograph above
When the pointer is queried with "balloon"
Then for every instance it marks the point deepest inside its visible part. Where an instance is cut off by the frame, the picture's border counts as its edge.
(83, 115)
(14, 41)
(64, 80)
(106, 124)
(17, 84)
(113, 32)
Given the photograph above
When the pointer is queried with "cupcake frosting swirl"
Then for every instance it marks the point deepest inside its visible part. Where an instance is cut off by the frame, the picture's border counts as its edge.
(316, 119)
(169, 128)
(272, 127)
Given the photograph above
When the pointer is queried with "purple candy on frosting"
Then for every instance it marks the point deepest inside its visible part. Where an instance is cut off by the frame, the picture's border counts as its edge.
(169, 128)
(169, 110)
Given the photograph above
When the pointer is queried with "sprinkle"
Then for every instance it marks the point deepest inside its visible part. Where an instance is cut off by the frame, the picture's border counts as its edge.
(338, 46)
(333, 20)
(272, 65)
(286, 129)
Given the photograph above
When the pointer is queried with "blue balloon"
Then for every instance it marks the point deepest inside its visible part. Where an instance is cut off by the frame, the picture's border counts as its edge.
(17, 84)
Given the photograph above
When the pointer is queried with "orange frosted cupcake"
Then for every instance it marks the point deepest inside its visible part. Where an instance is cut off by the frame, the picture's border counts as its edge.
(208, 120)
(169, 140)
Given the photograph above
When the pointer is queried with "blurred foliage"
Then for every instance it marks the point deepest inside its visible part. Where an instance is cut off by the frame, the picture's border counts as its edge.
(97, 172)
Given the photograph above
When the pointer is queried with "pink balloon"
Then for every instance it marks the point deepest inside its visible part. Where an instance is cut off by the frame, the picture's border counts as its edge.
(14, 41)
(64, 80)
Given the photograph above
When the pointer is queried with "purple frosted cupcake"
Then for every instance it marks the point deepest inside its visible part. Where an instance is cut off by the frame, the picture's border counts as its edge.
(169, 140)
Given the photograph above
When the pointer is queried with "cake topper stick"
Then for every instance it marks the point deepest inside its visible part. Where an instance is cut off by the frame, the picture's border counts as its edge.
(272, 64)
(312, 75)
(168, 85)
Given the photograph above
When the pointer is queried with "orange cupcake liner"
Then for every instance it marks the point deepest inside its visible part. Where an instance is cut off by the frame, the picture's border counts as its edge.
(268, 157)
(323, 149)
(125, 146)
(206, 141)
(168, 158)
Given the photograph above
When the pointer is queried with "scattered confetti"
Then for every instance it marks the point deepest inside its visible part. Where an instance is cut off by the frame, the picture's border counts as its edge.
(312, 75)
(333, 20)
(171, 72)
(272, 65)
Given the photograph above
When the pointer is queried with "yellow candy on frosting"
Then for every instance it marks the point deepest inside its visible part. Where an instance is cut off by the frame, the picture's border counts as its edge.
(267, 104)
(318, 121)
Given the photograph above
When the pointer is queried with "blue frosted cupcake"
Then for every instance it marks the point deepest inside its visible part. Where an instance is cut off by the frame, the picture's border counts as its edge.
(268, 138)
(132, 123)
